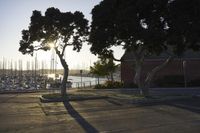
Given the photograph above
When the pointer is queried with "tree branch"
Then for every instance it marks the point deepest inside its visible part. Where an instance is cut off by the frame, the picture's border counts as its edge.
(156, 70)
(58, 52)
(119, 60)
(40, 48)
(63, 51)
(113, 58)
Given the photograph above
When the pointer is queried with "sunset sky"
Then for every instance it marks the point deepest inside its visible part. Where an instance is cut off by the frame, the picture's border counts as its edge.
(15, 16)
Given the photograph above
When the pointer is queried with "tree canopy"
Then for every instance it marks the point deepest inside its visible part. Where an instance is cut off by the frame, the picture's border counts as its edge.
(149, 26)
(104, 67)
(98, 69)
(60, 28)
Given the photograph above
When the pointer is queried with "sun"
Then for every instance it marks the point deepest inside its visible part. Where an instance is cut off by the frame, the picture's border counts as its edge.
(51, 45)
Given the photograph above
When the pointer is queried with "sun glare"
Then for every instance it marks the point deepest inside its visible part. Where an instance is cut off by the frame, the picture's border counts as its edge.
(51, 45)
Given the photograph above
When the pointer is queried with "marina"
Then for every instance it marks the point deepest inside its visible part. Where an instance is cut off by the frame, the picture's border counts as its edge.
(14, 80)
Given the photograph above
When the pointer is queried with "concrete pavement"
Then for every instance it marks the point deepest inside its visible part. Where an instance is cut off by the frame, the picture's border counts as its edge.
(23, 113)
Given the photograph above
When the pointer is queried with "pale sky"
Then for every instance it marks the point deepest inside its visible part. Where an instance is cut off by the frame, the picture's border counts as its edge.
(15, 16)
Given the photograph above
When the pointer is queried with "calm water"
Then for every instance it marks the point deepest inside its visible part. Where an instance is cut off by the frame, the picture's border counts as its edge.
(86, 81)
(76, 80)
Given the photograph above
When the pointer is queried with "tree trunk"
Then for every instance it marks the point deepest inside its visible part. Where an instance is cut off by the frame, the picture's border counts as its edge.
(65, 77)
(144, 83)
(138, 75)
(64, 82)
(139, 80)
(65, 74)
(144, 90)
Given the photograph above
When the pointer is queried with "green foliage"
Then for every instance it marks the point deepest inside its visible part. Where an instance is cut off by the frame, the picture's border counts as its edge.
(72, 96)
(60, 28)
(110, 85)
(115, 84)
(98, 69)
(103, 67)
(131, 85)
(53, 96)
(149, 26)
(99, 86)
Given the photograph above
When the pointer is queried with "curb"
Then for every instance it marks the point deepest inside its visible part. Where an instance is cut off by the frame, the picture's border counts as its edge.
(22, 91)
(150, 101)
(45, 100)
(196, 96)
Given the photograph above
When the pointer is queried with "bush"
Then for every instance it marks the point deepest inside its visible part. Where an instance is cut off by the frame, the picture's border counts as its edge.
(130, 85)
(110, 85)
(114, 84)
(55, 85)
(99, 86)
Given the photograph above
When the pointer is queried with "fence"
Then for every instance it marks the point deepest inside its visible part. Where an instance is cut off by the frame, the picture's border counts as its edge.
(87, 84)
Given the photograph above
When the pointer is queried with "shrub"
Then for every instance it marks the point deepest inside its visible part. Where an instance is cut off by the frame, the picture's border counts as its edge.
(130, 85)
(110, 85)
(99, 86)
(114, 84)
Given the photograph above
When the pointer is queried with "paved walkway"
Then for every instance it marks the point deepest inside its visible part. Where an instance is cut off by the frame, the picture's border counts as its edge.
(23, 113)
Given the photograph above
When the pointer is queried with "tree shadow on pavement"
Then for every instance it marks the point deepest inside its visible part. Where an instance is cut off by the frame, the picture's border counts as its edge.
(192, 105)
(6, 99)
(83, 123)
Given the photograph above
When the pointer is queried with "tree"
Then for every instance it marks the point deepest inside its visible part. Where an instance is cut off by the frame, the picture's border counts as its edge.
(56, 30)
(110, 67)
(98, 70)
(104, 67)
(145, 27)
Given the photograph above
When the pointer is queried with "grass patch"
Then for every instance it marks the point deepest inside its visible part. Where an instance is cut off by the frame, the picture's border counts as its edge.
(57, 97)
(53, 96)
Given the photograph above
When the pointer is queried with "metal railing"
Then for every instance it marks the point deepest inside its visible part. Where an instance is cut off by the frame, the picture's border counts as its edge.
(87, 84)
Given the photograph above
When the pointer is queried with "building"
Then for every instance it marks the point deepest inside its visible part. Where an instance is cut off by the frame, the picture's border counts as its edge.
(182, 71)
